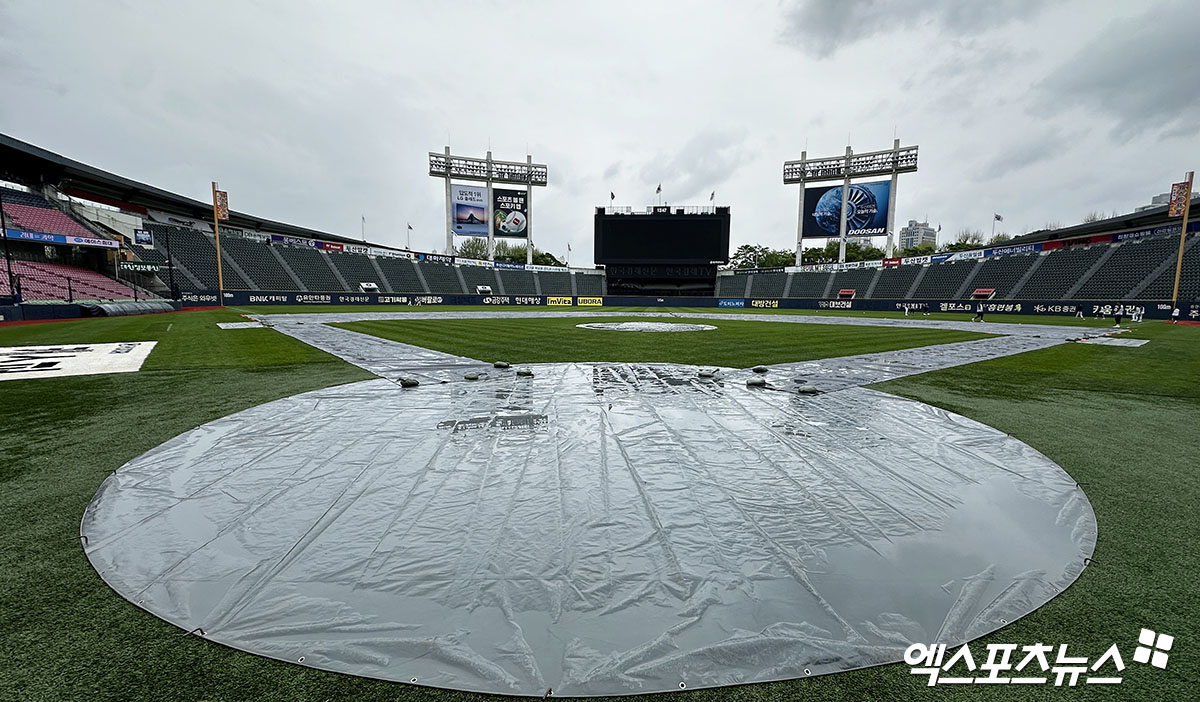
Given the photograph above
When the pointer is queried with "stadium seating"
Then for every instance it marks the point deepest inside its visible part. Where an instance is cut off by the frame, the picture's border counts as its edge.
(809, 284)
(1189, 276)
(1128, 265)
(942, 280)
(355, 268)
(155, 256)
(474, 276)
(1001, 273)
(39, 280)
(555, 283)
(442, 279)
(517, 282)
(1061, 270)
(732, 285)
(589, 284)
(309, 265)
(256, 260)
(20, 197)
(196, 251)
(895, 282)
(768, 284)
(857, 278)
(402, 274)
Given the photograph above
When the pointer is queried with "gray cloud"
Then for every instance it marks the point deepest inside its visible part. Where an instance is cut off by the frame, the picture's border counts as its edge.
(704, 162)
(821, 27)
(1144, 73)
(1040, 146)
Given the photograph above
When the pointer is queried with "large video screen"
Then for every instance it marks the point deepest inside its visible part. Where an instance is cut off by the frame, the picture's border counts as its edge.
(866, 210)
(662, 238)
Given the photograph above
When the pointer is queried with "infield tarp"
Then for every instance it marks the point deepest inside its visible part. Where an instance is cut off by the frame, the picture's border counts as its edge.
(596, 528)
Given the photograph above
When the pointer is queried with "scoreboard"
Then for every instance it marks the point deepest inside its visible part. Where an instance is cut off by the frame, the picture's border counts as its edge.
(665, 235)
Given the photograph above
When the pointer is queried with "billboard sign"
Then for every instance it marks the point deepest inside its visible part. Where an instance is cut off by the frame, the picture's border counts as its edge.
(510, 208)
(143, 237)
(866, 211)
(469, 209)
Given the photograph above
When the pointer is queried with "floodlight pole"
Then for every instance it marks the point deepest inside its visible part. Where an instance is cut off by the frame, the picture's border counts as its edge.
(842, 219)
(1187, 206)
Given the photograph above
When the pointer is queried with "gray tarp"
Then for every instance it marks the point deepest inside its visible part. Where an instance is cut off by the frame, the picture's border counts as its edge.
(597, 529)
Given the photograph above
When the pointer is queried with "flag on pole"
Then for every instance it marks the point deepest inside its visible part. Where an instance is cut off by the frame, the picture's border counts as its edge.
(1179, 197)
(410, 228)
(221, 203)
(568, 248)
(659, 191)
(939, 229)
(998, 217)
(612, 196)
(712, 197)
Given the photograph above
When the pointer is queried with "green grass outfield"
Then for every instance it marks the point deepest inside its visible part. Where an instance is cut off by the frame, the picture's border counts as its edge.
(1122, 420)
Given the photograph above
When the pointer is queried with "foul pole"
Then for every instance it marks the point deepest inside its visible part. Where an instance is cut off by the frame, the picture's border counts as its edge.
(1187, 206)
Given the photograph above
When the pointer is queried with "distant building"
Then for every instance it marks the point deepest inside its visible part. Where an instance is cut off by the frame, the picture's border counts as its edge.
(917, 233)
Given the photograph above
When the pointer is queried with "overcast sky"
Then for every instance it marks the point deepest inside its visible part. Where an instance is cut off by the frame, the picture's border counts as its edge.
(317, 113)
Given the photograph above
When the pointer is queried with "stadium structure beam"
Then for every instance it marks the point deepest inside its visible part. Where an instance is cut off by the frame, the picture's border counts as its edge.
(889, 162)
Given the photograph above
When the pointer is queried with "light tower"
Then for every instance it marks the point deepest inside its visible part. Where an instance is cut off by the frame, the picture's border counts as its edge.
(891, 162)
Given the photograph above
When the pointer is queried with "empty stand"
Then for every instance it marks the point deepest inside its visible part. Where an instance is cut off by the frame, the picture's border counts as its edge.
(732, 285)
(442, 279)
(1189, 276)
(942, 280)
(895, 282)
(474, 276)
(769, 284)
(1128, 266)
(1059, 271)
(402, 274)
(589, 284)
(309, 265)
(857, 278)
(1001, 273)
(256, 260)
(809, 284)
(196, 251)
(39, 280)
(517, 282)
(555, 283)
(355, 268)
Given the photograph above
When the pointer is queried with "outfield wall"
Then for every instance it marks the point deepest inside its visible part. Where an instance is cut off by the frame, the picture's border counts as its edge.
(1153, 310)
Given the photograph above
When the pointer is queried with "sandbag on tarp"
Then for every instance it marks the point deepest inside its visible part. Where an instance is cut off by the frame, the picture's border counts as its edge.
(123, 309)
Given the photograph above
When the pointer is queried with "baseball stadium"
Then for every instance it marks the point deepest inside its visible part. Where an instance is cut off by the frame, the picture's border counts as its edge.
(249, 457)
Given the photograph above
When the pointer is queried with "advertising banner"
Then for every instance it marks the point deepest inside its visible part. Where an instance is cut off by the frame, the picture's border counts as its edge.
(513, 266)
(469, 208)
(866, 210)
(436, 258)
(1179, 197)
(59, 239)
(221, 204)
(510, 209)
(143, 237)
(890, 262)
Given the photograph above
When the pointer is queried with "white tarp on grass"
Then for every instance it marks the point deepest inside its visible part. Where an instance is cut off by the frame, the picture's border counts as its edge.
(24, 362)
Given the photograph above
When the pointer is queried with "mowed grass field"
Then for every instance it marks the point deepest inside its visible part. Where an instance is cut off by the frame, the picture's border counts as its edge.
(1121, 420)
(733, 343)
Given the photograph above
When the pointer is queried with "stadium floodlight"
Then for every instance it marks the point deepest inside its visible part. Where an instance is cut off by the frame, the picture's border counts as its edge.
(891, 162)
(488, 170)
